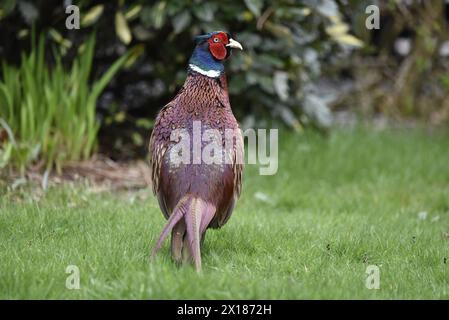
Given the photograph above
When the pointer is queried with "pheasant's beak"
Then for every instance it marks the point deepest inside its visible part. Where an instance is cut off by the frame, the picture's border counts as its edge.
(234, 44)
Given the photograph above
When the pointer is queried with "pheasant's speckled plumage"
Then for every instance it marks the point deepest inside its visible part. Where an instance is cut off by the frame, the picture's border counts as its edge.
(194, 197)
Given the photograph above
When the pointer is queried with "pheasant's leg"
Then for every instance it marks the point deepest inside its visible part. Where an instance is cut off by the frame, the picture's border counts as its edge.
(186, 255)
(177, 238)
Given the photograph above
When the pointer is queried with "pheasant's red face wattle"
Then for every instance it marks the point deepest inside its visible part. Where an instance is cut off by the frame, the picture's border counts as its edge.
(217, 45)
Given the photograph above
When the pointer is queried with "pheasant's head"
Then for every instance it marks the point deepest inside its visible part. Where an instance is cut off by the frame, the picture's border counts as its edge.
(210, 52)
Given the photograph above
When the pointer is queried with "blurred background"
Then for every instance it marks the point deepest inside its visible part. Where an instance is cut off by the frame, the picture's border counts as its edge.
(66, 95)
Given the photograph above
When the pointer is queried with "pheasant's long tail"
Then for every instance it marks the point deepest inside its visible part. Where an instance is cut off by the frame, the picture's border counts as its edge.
(197, 219)
(177, 214)
(197, 215)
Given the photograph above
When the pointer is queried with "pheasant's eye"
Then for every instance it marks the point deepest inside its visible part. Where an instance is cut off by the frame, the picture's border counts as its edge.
(216, 39)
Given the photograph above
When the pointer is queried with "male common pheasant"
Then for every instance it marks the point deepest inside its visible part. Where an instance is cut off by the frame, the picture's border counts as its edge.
(196, 193)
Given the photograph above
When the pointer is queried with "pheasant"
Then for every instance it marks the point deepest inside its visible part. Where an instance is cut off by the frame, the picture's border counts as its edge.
(196, 195)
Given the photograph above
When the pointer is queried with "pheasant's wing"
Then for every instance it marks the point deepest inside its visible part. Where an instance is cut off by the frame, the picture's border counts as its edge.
(159, 143)
(237, 164)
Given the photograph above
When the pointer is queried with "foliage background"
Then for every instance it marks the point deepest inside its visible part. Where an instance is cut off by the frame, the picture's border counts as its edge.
(303, 60)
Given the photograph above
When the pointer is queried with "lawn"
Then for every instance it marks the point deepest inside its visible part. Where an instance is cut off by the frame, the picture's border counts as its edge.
(335, 206)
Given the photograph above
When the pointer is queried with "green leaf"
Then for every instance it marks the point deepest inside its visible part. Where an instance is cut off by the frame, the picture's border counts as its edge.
(8, 130)
(289, 117)
(327, 8)
(92, 15)
(137, 139)
(158, 14)
(181, 21)
(5, 154)
(6, 6)
(59, 38)
(205, 12)
(122, 29)
(337, 29)
(144, 123)
(107, 77)
(23, 33)
(28, 11)
(255, 6)
(280, 81)
(120, 117)
(133, 12)
(134, 53)
(350, 40)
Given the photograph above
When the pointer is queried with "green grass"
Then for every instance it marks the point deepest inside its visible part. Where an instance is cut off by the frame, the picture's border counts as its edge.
(334, 207)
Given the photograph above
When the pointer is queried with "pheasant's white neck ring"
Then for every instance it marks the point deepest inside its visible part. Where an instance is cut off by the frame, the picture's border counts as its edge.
(207, 73)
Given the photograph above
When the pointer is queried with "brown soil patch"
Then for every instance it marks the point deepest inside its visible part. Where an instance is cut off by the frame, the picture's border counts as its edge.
(100, 171)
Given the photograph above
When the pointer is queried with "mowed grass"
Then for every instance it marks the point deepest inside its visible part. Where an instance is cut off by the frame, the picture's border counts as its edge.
(335, 206)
